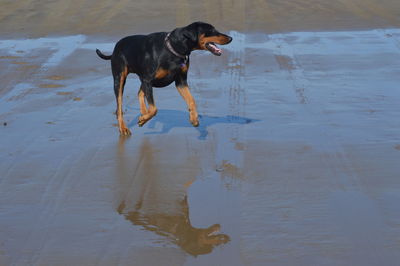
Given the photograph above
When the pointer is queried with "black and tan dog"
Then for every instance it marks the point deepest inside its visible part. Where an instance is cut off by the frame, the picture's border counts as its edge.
(159, 59)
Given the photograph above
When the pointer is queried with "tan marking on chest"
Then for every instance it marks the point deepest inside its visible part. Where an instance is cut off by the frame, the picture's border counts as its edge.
(161, 73)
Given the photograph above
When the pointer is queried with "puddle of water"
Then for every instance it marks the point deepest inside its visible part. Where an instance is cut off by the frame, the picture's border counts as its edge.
(63, 47)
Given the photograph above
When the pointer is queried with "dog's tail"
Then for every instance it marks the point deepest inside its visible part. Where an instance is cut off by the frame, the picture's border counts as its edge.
(103, 56)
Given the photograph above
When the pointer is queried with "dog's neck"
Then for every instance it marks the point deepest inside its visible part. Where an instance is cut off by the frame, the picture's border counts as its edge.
(179, 43)
(173, 50)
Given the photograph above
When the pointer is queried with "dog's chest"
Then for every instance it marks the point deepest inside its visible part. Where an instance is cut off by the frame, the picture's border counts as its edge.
(165, 76)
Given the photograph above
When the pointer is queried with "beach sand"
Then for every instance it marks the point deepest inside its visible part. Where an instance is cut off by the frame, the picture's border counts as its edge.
(295, 161)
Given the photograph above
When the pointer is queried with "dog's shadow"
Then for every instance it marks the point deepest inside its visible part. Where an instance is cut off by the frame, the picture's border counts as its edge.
(170, 119)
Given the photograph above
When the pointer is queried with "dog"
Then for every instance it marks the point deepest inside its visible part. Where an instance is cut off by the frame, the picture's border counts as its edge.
(159, 59)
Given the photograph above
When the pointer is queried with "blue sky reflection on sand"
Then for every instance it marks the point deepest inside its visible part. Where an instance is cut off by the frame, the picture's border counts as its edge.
(296, 157)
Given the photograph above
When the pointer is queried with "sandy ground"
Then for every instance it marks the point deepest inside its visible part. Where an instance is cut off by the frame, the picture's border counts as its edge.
(295, 162)
(110, 18)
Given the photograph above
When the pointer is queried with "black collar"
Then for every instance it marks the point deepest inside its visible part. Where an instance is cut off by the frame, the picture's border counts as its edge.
(172, 50)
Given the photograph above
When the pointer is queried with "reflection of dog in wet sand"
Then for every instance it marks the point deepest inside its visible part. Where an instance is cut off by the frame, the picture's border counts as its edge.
(153, 194)
(178, 229)
(160, 59)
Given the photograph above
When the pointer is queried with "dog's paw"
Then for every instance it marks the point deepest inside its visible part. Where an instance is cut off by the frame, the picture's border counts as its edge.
(194, 118)
(195, 123)
(141, 121)
(125, 131)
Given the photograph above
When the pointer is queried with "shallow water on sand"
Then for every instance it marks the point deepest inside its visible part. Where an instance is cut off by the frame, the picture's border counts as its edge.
(295, 161)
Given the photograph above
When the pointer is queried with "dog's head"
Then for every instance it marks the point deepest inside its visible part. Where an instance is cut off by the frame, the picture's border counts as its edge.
(200, 241)
(204, 36)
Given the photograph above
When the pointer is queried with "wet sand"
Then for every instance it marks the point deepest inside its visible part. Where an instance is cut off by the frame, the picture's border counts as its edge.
(295, 161)
(107, 18)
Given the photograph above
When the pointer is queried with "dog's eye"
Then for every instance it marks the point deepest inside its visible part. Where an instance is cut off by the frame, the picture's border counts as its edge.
(211, 32)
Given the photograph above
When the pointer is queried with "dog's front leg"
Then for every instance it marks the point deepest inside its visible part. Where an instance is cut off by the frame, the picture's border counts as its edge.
(146, 91)
(191, 104)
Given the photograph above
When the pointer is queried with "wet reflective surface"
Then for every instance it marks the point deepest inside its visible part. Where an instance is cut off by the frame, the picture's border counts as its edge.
(295, 161)
(154, 195)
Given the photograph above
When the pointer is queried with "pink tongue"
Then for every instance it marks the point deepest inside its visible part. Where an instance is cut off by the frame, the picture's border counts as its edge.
(216, 48)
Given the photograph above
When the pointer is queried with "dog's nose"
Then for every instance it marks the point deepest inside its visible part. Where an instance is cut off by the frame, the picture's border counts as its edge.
(229, 39)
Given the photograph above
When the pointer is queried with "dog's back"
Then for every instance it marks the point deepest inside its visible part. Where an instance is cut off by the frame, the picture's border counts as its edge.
(135, 50)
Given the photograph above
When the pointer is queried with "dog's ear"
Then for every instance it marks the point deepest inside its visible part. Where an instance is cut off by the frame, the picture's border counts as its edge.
(191, 35)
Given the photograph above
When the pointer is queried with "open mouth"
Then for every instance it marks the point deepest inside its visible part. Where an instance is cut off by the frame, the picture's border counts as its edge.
(213, 48)
(213, 232)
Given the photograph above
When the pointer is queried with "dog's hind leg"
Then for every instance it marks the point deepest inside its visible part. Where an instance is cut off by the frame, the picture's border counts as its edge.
(120, 74)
